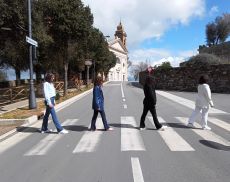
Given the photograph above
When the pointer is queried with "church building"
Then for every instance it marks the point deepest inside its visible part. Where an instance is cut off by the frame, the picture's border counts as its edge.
(118, 46)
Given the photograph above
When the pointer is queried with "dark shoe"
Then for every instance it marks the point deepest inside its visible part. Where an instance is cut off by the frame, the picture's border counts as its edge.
(90, 129)
(46, 131)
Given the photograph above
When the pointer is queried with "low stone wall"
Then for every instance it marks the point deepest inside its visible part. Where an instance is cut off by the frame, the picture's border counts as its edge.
(186, 79)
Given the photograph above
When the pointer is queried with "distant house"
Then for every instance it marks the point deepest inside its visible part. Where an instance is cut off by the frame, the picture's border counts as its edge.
(118, 46)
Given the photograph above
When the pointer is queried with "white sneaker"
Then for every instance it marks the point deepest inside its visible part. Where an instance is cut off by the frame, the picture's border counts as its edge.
(206, 128)
(46, 131)
(143, 128)
(64, 131)
(109, 129)
(163, 128)
(190, 125)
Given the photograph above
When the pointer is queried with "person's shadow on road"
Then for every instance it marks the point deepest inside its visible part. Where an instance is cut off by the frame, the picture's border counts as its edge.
(215, 145)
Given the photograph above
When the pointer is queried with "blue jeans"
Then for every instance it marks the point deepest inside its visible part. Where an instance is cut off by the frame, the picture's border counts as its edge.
(51, 111)
(103, 117)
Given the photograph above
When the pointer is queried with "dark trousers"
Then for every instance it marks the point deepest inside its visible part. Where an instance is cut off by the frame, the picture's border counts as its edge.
(152, 109)
(94, 118)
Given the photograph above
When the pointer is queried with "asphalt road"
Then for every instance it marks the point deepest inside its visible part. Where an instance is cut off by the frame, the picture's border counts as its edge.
(178, 154)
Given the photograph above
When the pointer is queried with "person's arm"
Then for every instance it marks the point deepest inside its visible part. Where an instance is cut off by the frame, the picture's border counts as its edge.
(46, 89)
(208, 95)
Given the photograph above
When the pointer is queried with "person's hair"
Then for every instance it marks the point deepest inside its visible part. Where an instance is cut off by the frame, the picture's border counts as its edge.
(49, 77)
(98, 81)
(203, 79)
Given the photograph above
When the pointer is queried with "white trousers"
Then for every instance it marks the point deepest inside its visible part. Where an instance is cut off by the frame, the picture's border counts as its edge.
(196, 113)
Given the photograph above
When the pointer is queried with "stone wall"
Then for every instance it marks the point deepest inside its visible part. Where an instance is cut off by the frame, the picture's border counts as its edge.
(186, 79)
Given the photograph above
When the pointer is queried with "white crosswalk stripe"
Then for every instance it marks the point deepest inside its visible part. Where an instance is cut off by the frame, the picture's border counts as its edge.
(49, 141)
(136, 168)
(90, 140)
(207, 135)
(131, 139)
(219, 123)
(130, 136)
(186, 102)
(173, 140)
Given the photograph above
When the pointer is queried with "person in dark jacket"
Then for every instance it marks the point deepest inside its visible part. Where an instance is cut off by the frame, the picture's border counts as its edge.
(150, 104)
(98, 105)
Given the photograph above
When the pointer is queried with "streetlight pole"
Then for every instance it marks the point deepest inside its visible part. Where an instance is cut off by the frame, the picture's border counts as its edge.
(88, 63)
(32, 98)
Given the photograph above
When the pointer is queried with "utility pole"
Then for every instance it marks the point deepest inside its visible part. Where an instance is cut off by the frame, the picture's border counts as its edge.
(32, 98)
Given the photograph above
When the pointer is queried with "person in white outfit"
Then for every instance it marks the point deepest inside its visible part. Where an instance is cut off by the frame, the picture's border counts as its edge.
(49, 94)
(203, 103)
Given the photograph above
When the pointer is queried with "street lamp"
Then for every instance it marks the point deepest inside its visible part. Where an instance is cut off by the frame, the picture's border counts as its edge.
(88, 63)
(32, 98)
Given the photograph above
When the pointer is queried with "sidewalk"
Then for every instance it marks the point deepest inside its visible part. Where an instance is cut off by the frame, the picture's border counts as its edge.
(16, 105)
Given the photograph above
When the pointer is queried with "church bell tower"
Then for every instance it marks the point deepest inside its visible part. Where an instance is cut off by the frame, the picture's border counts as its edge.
(120, 33)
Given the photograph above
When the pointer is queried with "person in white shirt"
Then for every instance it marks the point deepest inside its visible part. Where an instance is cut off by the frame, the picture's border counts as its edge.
(203, 103)
(50, 93)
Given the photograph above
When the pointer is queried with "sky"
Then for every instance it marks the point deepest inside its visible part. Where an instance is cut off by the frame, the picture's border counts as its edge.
(158, 30)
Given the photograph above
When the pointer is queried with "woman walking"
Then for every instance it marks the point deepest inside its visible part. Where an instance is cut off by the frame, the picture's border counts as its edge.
(98, 105)
(50, 93)
(203, 103)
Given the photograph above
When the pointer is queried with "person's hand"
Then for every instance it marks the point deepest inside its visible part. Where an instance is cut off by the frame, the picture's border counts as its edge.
(98, 109)
(51, 105)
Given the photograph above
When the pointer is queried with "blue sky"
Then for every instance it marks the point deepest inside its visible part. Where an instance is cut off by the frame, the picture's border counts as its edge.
(158, 30)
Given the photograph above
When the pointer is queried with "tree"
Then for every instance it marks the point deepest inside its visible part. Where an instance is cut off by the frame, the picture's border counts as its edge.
(68, 21)
(14, 50)
(165, 65)
(137, 68)
(99, 52)
(218, 31)
(3, 75)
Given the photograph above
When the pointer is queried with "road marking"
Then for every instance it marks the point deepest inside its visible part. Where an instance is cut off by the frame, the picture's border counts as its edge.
(136, 168)
(122, 91)
(130, 136)
(172, 139)
(49, 141)
(186, 102)
(90, 140)
(220, 123)
(125, 106)
(205, 134)
(10, 142)
(18, 137)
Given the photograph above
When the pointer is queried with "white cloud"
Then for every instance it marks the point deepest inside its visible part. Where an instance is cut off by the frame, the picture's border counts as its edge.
(213, 10)
(158, 56)
(143, 19)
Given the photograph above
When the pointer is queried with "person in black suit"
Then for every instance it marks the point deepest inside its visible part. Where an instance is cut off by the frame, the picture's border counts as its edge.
(150, 104)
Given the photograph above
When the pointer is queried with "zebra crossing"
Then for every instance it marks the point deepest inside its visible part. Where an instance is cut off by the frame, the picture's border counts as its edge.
(131, 138)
